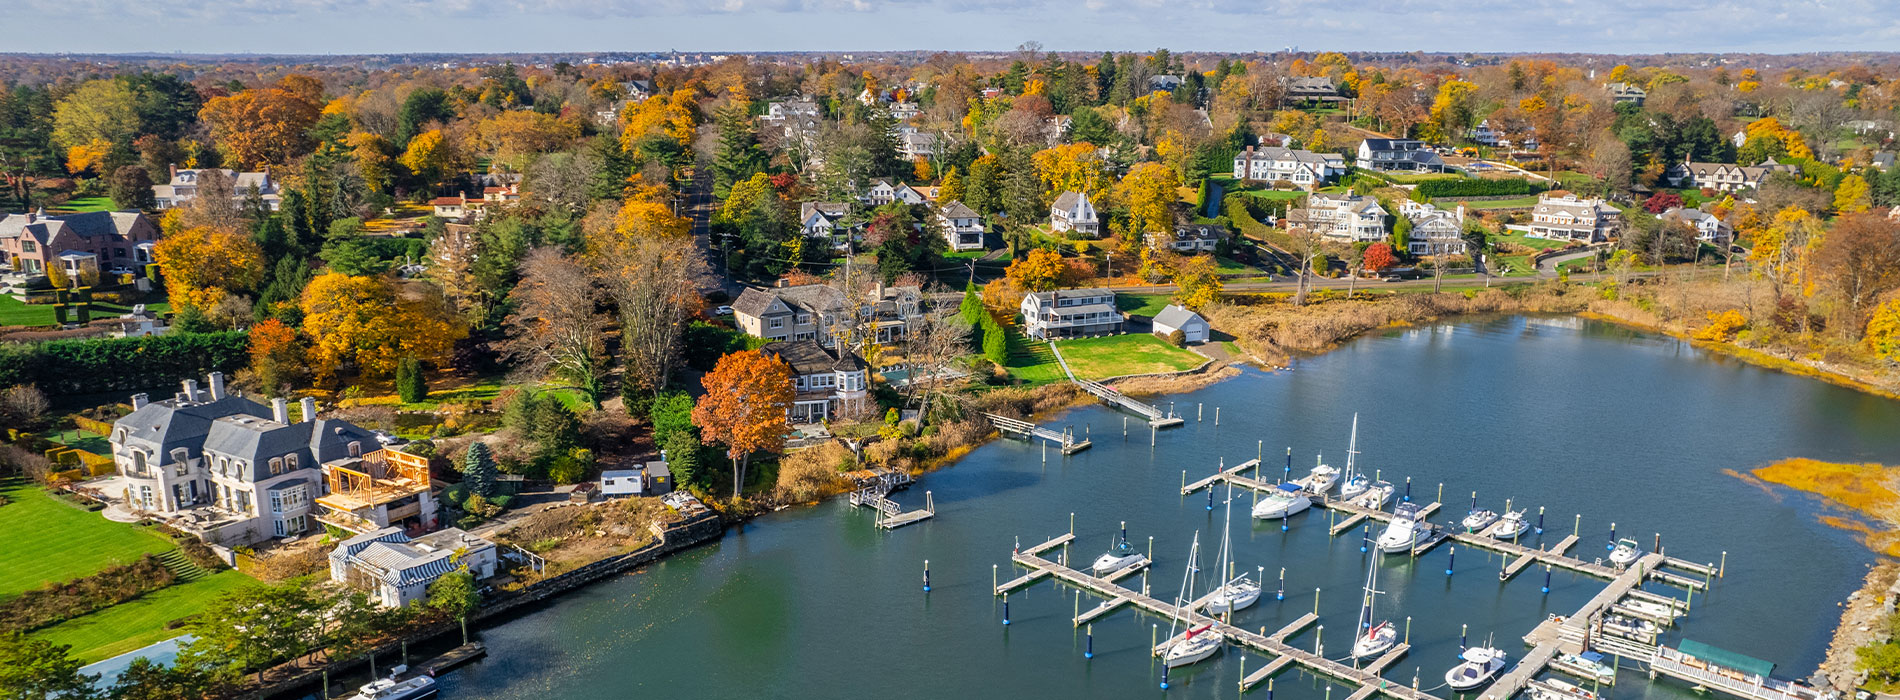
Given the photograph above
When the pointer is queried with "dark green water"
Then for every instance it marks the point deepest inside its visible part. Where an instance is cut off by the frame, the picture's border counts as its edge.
(1579, 417)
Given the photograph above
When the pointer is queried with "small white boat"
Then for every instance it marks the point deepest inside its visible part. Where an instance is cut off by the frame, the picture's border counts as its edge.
(1406, 531)
(1120, 556)
(1481, 665)
(1375, 496)
(1649, 609)
(1629, 627)
(418, 688)
(1511, 526)
(1588, 665)
(1320, 481)
(1197, 646)
(1479, 519)
(1235, 595)
(1625, 552)
(1355, 485)
(1288, 499)
(1555, 689)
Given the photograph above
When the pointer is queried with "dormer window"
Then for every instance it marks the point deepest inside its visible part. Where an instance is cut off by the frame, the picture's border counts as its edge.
(356, 449)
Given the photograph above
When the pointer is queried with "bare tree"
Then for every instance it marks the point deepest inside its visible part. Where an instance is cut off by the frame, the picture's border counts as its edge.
(216, 204)
(655, 282)
(557, 323)
(935, 340)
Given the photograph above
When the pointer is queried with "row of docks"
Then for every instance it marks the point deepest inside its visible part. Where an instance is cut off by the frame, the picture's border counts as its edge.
(1623, 619)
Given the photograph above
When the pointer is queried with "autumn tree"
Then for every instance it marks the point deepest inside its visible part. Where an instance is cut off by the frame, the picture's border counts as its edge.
(951, 188)
(1074, 167)
(652, 272)
(98, 112)
(1149, 192)
(430, 156)
(201, 265)
(1197, 282)
(1858, 260)
(277, 355)
(371, 323)
(1782, 248)
(514, 137)
(1883, 331)
(748, 396)
(262, 127)
(557, 326)
(1853, 195)
(1040, 271)
(1378, 256)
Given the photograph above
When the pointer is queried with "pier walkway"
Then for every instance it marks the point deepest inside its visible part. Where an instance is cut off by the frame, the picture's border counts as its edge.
(1109, 395)
(1064, 440)
(890, 515)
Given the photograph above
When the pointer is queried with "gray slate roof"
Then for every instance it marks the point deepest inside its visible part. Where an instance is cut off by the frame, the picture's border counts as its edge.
(808, 357)
(1176, 316)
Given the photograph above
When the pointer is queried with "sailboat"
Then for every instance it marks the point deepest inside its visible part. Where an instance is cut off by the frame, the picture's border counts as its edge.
(1481, 664)
(1239, 591)
(1356, 483)
(1119, 556)
(1375, 637)
(1200, 643)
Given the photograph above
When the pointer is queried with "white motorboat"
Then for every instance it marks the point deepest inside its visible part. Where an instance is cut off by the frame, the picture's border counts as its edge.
(418, 688)
(1197, 646)
(1375, 496)
(1555, 689)
(1629, 627)
(1625, 552)
(1481, 665)
(1120, 556)
(1588, 665)
(1239, 591)
(1375, 637)
(1288, 499)
(1406, 531)
(1320, 481)
(1479, 519)
(1648, 609)
(1511, 526)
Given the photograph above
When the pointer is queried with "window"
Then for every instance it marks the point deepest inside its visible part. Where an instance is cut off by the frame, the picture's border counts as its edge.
(28, 247)
(356, 449)
(276, 466)
(290, 462)
(776, 323)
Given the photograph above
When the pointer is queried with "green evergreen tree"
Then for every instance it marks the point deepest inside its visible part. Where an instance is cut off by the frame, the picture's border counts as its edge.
(411, 385)
(683, 458)
(478, 470)
(739, 155)
(995, 346)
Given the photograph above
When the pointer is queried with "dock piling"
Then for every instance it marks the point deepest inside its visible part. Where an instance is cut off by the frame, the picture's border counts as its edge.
(1005, 609)
(1319, 643)
(1453, 557)
(1316, 602)
(1408, 489)
(1576, 526)
(1408, 630)
(1164, 676)
(1441, 493)
(1089, 651)
(1546, 579)
(1364, 537)
(1540, 520)
(1197, 411)
(926, 575)
(1281, 594)
(1723, 567)
(1463, 630)
(1612, 544)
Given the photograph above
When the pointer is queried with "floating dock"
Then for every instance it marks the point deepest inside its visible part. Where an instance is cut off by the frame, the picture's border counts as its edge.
(1064, 440)
(890, 515)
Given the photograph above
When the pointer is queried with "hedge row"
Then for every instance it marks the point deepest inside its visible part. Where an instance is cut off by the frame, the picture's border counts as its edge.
(63, 601)
(121, 364)
(1473, 187)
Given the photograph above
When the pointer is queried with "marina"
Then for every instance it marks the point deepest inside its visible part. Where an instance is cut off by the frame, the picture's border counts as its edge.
(755, 604)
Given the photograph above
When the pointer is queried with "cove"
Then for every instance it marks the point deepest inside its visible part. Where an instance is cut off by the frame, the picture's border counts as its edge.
(1577, 416)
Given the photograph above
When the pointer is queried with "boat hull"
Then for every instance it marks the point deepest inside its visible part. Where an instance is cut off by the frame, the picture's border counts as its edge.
(1276, 509)
(1233, 598)
(1191, 651)
(1108, 563)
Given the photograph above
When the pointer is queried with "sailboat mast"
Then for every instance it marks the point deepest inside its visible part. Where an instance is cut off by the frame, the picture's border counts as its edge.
(1352, 446)
(1226, 533)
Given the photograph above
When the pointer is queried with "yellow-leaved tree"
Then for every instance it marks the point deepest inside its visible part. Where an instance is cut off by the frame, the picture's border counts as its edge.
(1149, 191)
(1883, 331)
(1852, 195)
(1073, 167)
(1197, 281)
(201, 265)
(372, 323)
(430, 156)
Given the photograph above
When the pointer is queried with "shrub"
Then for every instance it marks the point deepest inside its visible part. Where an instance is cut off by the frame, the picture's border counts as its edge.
(63, 601)
(1177, 338)
(1471, 187)
(122, 364)
(410, 384)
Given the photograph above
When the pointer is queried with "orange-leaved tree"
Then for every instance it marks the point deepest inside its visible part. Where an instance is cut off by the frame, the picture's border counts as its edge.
(372, 323)
(276, 355)
(747, 398)
(201, 265)
(266, 126)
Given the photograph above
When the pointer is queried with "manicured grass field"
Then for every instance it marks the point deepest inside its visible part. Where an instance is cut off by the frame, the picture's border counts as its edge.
(1142, 304)
(1113, 356)
(88, 441)
(43, 539)
(1277, 194)
(14, 312)
(86, 204)
(140, 621)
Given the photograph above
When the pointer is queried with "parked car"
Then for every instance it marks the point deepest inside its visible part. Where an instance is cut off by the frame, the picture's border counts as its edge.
(723, 311)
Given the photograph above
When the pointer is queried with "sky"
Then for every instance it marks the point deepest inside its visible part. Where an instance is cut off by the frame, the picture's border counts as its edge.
(480, 26)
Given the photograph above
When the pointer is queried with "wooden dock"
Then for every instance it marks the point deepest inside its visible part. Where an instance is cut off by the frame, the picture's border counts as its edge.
(448, 660)
(1369, 683)
(1064, 441)
(890, 515)
(1109, 395)
(1703, 673)
(1568, 635)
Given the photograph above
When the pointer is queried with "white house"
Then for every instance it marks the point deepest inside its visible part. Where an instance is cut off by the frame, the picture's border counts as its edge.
(1398, 154)
(1341, 216)
(623, 482)
(822, 220)
(962, 227)
(184, 185)
(1189, 238)
(1304, 169)
(1708, 227)
(1073, 211)
(397, 569)
(1564, 216)
(882, 192)
(1177, 318)
(1434, 231)
(1070, 313)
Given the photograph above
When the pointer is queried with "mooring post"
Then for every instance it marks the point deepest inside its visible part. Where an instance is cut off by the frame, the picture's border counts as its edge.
(1045, 451)
(1319, 634)
(1216, 415)
(1612, 545)
(1474, 500)
(1316, 602)
(1124, 427)
(1547, 579)
(1441, 493)
(1656, 545)
(1720, 572)
(1151, 434)
(1540, 520)
(992, 577)
(1408, 629)
(1243, 673)
(1408, 489)
(1576, 526)
(1164, 673)
(1071, 523)
(1281, 593)
(926, 575)
(1453, 557)
(1151, 553)
(1005, 608)
(1364, 537)
(1462, 631)
(1184, 481)
(1089, 651)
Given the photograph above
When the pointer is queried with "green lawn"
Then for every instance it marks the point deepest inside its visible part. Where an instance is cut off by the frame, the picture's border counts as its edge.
(1528, 242)
(86, 204)
(88, 441)
(1113, 356)
(140, 621)
(1277, 194)
(44, 539)
(1142, 304)
(14, 312)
